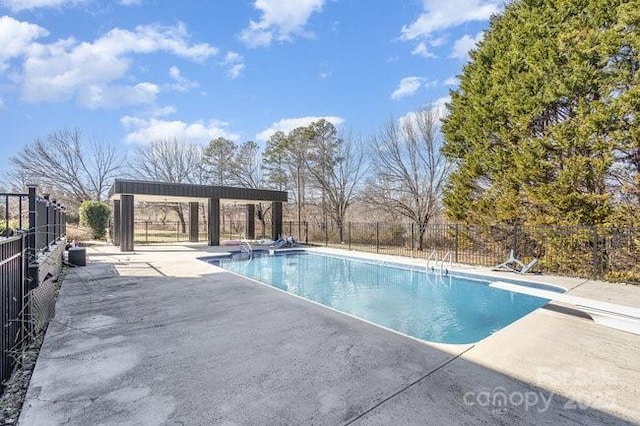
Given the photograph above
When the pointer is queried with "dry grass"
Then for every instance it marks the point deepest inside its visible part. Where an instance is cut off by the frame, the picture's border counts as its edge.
(78, 233)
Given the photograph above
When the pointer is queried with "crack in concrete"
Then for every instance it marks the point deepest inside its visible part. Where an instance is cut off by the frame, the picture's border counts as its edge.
(407, 387)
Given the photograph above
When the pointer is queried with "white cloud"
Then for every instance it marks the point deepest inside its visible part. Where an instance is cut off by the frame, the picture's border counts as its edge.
(439, 41)
(1, 104)
(162, 111)
(451, 81)
(438, 107)
(288, 124)
(421, 49)
(115, 95)
(234, 63)
(145, 130)
(19, 5)
(181, 83)
(15, 37)
(280, 19)
(463, 45)
(407, 87)
(130, 2)
(67, 69)
(440, 15)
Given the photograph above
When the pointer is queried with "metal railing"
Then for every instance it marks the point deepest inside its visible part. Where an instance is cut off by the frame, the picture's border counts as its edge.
(610, 253)
(604, 252)
(150, 232)
(29, 225)
(13, 274)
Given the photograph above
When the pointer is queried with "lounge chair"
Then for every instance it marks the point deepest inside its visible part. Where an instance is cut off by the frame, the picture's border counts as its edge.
(285, 243)
(513, 264)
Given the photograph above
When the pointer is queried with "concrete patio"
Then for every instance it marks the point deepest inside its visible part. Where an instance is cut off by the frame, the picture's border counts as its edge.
(159, 337)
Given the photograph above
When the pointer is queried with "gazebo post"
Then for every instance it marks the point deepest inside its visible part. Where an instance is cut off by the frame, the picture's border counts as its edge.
(115, 233)
(276, 220)
(251, 222)
(193, 222)
(214, 222)
(126, 222)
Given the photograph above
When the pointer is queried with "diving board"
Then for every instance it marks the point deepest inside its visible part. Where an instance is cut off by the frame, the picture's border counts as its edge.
(620, 317)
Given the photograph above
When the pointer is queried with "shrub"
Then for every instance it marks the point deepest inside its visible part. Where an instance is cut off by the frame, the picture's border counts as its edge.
(13, 225)
(95, 215)
(73, 217)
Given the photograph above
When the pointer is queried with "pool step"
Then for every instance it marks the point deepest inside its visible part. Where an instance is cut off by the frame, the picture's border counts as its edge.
(620, 317)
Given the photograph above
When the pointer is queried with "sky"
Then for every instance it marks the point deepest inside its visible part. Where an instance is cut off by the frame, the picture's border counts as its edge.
(133, 71)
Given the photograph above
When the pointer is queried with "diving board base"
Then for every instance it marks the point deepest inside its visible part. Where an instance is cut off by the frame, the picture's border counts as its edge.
(620, 317)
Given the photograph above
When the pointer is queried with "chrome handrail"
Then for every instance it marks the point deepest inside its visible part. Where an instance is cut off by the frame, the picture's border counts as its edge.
(446, 271)
(431, 257)
(249, 249)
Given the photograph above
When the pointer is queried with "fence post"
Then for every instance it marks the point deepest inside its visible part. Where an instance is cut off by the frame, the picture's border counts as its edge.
(456, 243)
(146, 231)
(413, 236)
(23, 285)
(54, 224)
(20, 214)
(306, 232)
(596, 266)
(46, 214)
(7, 230)
(349, 235)
(177, 231)
(31, 237)
(326, 234)
(377, 237)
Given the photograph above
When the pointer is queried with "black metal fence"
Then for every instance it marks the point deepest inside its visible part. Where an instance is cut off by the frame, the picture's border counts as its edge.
(611, 253)
(149, 232)
(30, 225)
(13, 274)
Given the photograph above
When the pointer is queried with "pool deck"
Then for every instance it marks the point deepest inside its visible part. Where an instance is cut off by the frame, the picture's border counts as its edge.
(159, 337)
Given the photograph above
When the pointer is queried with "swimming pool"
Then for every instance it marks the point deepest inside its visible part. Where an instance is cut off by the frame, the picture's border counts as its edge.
(409, 300)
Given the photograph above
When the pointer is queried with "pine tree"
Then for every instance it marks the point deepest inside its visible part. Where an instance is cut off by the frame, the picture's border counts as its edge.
(546, 115)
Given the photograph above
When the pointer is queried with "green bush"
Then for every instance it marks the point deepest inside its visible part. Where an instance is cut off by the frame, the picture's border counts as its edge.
(95, 215)
(13, 225)
(73, 217)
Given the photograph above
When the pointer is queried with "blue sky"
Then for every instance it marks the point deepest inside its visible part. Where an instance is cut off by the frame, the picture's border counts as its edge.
(131, 71)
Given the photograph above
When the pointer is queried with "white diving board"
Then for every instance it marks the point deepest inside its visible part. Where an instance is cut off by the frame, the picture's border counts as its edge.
(620, 317)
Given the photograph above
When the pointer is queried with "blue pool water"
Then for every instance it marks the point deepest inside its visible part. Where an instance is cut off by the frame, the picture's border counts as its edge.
(425, 306)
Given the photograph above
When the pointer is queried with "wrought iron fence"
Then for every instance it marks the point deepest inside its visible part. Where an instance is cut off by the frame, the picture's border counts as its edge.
(581, 251)
(29, 225)
(149, 232)
(13, 274)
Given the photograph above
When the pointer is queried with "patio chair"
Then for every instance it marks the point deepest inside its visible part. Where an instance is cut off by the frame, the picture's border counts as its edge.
(513, 264)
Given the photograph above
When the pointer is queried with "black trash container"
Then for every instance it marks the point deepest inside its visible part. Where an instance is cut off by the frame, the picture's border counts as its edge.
(78, 256)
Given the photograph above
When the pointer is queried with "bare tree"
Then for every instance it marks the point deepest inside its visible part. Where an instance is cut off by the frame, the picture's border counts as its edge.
(80, 169)
(409, 169)
(247, 172)
(169, 161)
(246, 166)
(338, 177)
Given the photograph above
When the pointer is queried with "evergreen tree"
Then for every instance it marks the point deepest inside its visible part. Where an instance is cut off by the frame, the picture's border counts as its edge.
(218, 159)
(546, 113)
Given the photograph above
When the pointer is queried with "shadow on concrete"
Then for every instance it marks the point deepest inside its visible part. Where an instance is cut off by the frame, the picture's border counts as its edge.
(149, 349)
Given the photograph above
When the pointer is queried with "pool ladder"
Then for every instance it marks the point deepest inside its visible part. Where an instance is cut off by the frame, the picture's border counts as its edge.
(245, 247)
(434, 257)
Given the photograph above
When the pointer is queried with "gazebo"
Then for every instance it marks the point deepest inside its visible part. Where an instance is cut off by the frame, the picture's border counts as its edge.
(123, 191)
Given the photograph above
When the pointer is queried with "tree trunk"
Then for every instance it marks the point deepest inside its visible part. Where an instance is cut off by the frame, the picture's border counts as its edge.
(183, 225)
(422, 228)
